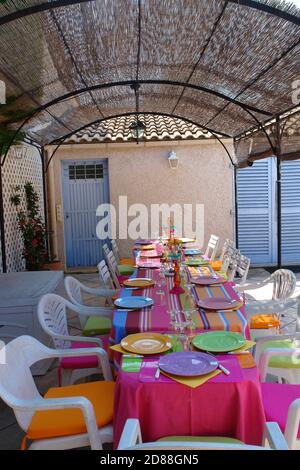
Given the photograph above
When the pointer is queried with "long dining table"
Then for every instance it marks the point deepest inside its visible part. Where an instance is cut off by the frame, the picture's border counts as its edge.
(221, 406)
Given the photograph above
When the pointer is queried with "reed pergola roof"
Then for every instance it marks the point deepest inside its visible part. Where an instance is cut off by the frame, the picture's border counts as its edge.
(226, 66)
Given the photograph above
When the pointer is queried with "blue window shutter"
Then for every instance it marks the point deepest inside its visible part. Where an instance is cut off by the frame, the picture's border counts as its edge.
(290, 203)
(256, 204)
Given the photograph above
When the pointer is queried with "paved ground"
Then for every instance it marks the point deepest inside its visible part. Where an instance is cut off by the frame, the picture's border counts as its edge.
(10, 433)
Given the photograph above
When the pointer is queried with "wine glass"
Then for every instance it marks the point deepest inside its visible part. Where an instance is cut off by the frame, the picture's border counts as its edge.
(173, 314)
(189, 317)
(161, 281)
(180, 327)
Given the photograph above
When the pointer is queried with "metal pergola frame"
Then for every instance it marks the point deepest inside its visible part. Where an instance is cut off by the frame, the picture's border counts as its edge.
(52, 5)
(88, 89)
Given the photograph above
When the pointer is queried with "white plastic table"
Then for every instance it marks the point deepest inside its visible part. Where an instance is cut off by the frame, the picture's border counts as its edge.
(19, 296)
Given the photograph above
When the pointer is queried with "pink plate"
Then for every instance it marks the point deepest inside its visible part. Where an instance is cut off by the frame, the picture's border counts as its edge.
(219, 303)
(208, 280)
(149, 264)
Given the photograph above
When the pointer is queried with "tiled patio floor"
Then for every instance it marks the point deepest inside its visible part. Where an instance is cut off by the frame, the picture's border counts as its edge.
(10, 433)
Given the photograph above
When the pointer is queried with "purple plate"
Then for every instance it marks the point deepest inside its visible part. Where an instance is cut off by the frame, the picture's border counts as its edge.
(188, 364)
(143, 242)
(219, 303)
(208, 280)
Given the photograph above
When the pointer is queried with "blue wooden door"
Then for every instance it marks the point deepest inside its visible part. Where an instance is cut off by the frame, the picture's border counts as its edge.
(85, 186)
(257, 212)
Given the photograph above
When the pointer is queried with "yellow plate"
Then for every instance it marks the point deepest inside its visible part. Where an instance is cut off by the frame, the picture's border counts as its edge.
(146, 247)
(147, 343)
(138, 282)
(186, 240)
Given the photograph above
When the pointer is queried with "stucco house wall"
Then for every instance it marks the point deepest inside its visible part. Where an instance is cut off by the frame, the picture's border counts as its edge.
(142, 173)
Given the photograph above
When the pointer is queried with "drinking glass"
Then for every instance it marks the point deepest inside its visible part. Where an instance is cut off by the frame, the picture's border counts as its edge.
(173, 314)
(180, 327)
(189, 318)
(161, 281)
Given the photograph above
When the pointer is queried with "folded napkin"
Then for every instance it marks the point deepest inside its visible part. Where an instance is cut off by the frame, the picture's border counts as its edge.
(193, 382)
(131, 363)
(149, 369)
(246, 361)
(248, 345)
(118, 348)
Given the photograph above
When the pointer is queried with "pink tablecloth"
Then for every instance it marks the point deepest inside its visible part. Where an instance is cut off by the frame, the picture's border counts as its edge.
(220, 407)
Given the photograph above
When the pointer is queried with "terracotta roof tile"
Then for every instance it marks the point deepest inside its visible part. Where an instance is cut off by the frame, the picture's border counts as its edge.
(157, 128)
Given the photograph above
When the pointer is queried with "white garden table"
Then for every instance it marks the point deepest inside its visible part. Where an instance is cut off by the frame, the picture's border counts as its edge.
(19, 296)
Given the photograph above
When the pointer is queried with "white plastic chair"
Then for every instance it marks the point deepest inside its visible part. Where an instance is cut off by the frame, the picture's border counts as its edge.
(131, 439)
(284, 284)
(227, 248)
(105, 248)
(74, 289)
(115, 250)
(18, 391)
(113, 268)
(52, 315)
(242, 266)
(293, 415)
(104, 275)
(212, 247)
(290, 374)
(229, 264)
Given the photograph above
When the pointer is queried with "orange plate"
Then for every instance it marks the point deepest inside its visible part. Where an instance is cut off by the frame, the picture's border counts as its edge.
(139, 282)
(147, 343)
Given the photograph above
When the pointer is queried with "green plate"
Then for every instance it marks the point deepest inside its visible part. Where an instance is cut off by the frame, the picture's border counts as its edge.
(219, 341)
(125, 269)
(196, 262)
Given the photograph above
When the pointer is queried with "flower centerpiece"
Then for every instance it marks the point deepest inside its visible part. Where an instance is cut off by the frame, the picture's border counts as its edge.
(31, 226)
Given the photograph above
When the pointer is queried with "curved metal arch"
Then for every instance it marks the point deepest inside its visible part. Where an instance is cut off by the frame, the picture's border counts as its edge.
(62, 3)
(268, 9)
(98, 121)
(16, 15)
(74, 93)
(102, 86)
